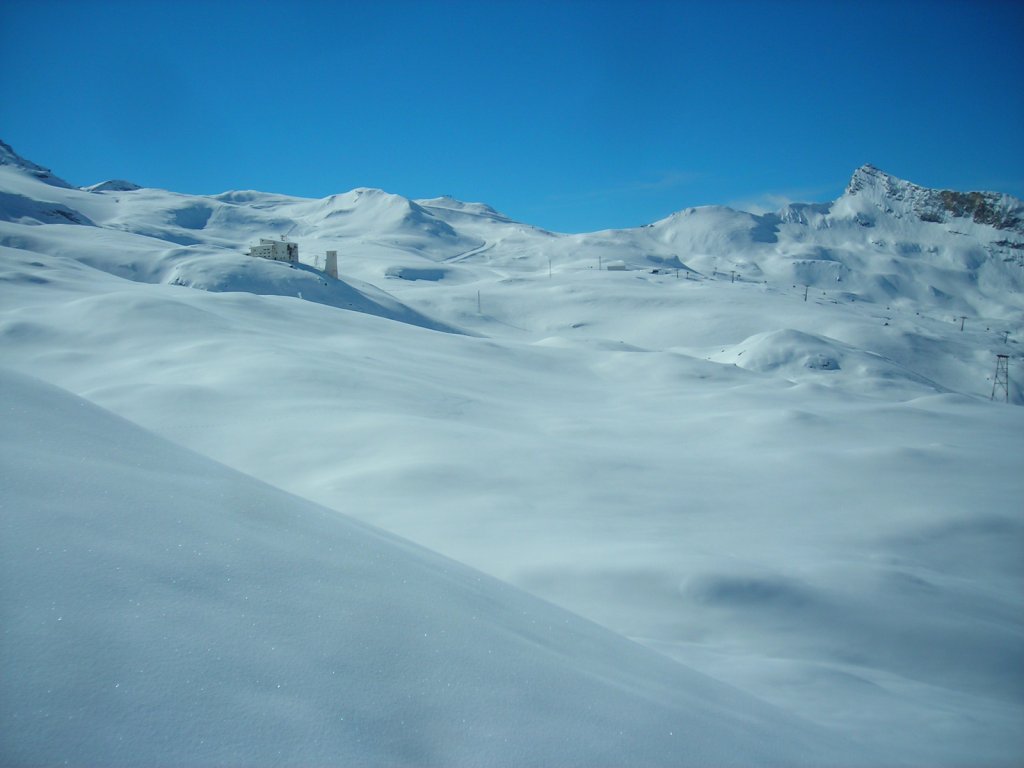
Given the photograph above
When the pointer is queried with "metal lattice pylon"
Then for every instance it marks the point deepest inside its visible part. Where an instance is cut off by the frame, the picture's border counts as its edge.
(1002, 377)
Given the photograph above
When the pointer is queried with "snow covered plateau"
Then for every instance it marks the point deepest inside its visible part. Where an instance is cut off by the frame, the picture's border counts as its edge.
(752, 497)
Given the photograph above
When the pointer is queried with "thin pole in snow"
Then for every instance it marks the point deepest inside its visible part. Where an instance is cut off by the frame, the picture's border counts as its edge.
(962, 318)
(478, 302)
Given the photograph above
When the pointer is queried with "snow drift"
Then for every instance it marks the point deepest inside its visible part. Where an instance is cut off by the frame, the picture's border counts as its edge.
(160, 609)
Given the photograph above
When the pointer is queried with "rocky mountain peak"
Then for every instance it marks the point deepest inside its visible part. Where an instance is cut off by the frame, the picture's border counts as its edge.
(901, 197)
(870, 177)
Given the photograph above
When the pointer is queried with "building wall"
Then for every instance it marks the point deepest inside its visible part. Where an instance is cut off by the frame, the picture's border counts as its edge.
(276, 250)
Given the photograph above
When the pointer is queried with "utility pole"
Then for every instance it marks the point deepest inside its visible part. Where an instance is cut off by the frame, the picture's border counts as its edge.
(1002, 378)
(805, 292)
(1006, 337)
(732, 275)
(962, 318)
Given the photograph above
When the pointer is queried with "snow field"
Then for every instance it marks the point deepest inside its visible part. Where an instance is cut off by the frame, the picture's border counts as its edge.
(162, 609)
(813, 502)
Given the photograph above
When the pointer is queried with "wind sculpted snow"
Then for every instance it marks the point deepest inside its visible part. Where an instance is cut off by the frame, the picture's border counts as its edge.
(767, 448)
(160, 609)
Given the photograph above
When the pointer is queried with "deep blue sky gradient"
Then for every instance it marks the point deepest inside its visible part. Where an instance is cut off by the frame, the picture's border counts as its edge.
(569, 115)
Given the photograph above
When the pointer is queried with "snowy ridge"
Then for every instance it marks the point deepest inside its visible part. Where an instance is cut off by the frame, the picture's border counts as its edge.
(449, 203)
(891, 194)
(114, 185)
(11, 158)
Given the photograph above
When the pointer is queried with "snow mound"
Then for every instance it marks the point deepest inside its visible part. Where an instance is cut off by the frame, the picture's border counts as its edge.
(161, 609)
(801, 356)
(270, 278)
(785, 351)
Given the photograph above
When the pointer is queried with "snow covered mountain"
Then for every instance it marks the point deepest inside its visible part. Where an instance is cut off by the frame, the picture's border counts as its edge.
(765, 447)
(901, 198)
(885, 240)
(10, 158)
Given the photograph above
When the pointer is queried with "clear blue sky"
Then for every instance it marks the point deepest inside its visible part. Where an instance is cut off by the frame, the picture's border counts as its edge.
(569, 115)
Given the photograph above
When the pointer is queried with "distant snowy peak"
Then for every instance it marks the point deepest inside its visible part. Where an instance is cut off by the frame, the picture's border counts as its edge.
(11, 158)
(897, 196)
(113, 185)
(450, 203)
(255, 198)
(378, 198)
(375, 203)
(871, 179)
(369, 210)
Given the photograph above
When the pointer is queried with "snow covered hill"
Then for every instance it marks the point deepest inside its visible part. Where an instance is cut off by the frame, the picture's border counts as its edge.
(765, 448)
(160, 609)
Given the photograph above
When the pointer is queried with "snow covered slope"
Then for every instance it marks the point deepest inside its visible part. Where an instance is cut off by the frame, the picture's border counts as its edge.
(160, 609)
(11, 159)
(794, 483)
(146, 238)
